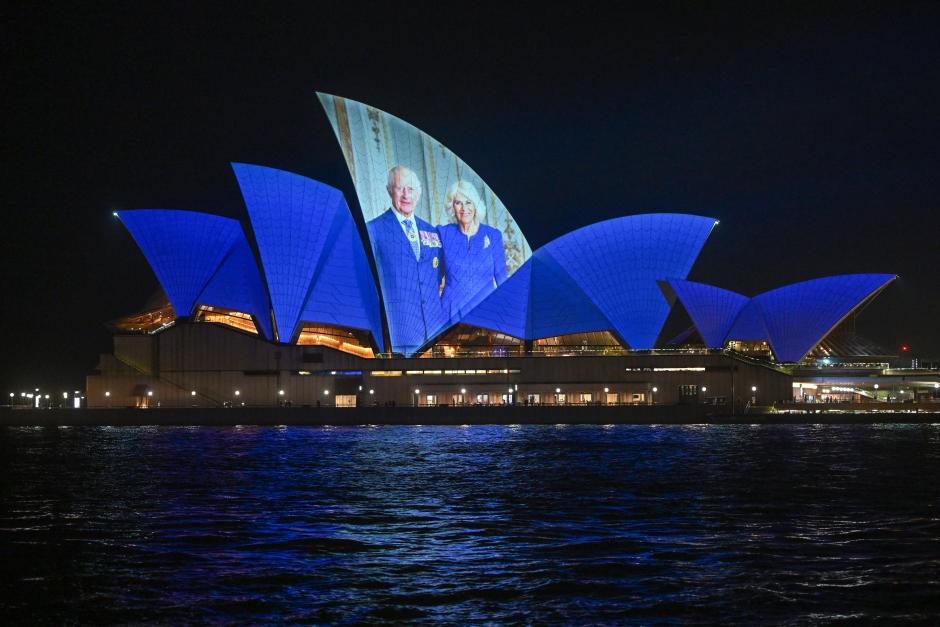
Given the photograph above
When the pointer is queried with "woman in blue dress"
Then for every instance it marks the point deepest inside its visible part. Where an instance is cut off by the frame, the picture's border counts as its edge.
(474, 258)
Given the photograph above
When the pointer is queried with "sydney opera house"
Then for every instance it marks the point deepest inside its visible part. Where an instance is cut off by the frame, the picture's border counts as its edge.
(429, 294)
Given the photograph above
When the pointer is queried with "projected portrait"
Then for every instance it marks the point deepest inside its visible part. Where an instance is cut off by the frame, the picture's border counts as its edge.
(442, 240)
(474, 256)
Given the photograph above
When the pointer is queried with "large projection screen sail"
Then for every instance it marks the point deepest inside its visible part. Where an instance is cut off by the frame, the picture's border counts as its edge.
(442, 240)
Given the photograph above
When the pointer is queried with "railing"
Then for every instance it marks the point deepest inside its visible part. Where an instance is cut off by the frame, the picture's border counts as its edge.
(515, 350)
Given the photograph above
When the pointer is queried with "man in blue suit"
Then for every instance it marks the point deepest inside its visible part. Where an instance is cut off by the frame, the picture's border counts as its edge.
(408, 256)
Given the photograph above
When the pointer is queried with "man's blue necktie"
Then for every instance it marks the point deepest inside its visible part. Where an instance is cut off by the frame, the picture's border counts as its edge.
(412, 237)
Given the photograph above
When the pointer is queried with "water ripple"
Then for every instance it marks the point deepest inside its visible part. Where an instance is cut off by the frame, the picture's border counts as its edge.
(503, 524)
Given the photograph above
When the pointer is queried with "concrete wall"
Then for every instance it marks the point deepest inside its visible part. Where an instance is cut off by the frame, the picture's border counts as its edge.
(215, 361)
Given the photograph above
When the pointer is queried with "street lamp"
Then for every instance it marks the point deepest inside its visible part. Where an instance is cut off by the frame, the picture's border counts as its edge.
(417, 398)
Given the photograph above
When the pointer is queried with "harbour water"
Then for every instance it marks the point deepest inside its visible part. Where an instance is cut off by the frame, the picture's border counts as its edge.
(445, 524)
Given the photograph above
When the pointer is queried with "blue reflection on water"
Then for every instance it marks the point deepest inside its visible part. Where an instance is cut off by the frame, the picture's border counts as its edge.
(469, 524)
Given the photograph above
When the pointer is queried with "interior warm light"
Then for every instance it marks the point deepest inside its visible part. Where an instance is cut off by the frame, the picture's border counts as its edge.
(352, 341)
(230, 318)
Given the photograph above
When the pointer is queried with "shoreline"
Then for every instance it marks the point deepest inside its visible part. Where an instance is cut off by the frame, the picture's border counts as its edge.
(444, 416)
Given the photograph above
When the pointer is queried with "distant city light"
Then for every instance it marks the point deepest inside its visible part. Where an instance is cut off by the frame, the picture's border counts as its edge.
(193, 393)
(655, 389)
(876, 386)
(606, 390)
(462, 391)
(371, 391)
(753, 388)
(417, 391)
(64, 395)
(281, 392)
(149, 392)
(704, 389)
(238, 392)
(107, 393)
(326, 392)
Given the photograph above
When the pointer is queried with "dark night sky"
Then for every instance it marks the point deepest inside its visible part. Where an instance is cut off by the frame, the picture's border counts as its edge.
(812, 134)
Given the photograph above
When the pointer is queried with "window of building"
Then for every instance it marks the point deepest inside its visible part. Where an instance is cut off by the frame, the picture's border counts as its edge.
(483, 399)
(585, 398)
(345, 400)
(352, 341)
(613, 398)
(534, 399)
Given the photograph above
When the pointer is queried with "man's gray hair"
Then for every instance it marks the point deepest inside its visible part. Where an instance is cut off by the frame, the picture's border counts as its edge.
(403, 169)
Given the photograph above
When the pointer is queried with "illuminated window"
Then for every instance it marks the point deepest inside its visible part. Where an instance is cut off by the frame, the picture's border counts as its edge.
(468, 341)
(348, 340)
(156, 315)
(595, 342)
(230, 318)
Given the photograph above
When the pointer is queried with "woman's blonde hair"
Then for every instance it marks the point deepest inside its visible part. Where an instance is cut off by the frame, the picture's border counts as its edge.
(470, 191)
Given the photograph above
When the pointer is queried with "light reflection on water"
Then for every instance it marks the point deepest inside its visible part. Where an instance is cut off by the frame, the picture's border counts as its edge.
(468, 524)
